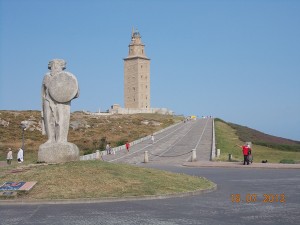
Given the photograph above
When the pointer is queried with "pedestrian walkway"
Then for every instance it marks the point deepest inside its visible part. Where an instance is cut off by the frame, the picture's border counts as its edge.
(173, 146)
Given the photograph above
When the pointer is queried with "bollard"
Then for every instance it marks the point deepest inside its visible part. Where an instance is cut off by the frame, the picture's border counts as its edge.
(97, 154)
(218, 153)
(194, 157)
(229, 157)
(146, 160)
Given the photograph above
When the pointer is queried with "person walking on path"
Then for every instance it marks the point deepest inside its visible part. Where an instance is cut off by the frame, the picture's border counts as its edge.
(9, 156)
(152, 138)
(127, 145)
(108, 149)
(20, 155)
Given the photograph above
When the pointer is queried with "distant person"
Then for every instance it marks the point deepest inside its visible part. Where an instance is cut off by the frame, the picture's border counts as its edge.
(108, 149)
(245, 150)
(9, 157)
(250, 150)
(20, 155)
(250, 157)
(152, 138)
(127, 145)
(246, 154)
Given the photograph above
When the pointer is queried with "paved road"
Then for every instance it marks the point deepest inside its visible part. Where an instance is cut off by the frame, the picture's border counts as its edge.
(172, 146)
(244, 196)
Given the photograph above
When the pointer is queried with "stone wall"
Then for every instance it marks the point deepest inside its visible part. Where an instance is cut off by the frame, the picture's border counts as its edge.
(163, 111)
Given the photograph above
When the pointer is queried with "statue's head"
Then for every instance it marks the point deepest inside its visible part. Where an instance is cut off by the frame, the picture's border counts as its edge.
(55, 64)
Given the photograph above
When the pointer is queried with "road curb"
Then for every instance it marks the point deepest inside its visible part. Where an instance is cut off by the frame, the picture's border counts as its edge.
(240, 165)
(104, 200)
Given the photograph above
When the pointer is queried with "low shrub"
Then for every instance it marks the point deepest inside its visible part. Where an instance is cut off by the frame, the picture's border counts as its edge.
(120, 143)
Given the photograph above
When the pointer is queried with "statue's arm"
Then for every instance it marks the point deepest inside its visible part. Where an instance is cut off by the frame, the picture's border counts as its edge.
(43, 94)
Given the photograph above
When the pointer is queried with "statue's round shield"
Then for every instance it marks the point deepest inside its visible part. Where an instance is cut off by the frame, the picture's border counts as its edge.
(63, 87)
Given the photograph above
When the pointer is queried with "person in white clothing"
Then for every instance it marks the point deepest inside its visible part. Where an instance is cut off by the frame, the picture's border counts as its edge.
(9, 156)
(152, 138)
(20, 156)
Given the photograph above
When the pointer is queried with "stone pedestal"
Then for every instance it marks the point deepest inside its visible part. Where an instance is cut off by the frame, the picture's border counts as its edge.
(58, 152)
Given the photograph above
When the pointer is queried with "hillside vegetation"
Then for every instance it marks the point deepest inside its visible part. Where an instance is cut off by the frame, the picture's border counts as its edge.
(259, 138)
(88, 132)
(265, 147)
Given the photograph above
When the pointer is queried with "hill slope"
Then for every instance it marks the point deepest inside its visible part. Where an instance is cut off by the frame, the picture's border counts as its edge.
(88, 132)
(265, 147)
(259, 138)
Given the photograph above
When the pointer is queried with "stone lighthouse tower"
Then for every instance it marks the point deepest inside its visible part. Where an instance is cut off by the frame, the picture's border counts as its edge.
(136, 75)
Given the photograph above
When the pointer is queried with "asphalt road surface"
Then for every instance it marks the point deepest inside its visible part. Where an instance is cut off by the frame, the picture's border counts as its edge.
(244, 195)
(173, 146)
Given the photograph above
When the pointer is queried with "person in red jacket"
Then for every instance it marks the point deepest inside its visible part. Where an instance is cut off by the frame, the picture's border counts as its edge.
(246, 150)
(127, 146)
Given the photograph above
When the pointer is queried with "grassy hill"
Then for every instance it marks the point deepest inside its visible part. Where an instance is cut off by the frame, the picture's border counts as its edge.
(88, 132)
(259, 138)
(265, 147)
(99, 179)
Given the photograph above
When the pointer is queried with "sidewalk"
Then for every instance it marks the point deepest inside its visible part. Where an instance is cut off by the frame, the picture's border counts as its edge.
(240, 165)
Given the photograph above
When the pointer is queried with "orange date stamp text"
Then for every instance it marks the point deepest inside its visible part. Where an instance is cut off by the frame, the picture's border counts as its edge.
(252, 198)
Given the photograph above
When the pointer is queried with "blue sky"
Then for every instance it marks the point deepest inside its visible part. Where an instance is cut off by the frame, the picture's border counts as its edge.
(236, 60)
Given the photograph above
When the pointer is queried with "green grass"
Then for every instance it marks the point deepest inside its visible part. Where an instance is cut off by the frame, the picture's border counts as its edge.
(287, 161)
(98, 179)
(227, 139)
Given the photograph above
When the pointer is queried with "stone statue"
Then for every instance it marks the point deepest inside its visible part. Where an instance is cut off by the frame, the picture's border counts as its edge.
(58, 89)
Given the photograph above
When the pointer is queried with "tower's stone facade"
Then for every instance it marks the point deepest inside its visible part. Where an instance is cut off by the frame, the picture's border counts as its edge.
(136, 75)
